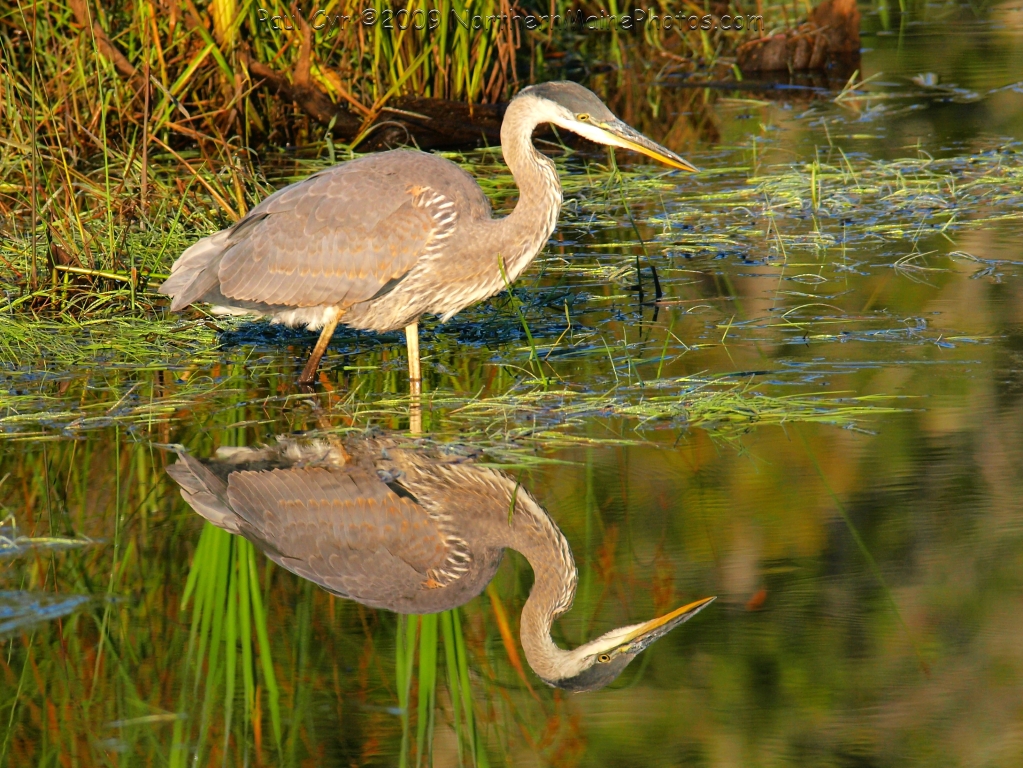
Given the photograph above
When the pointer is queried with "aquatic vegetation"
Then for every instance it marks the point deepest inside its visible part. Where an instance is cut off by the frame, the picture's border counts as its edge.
(21, 610)
(14, 544)
(149, 403)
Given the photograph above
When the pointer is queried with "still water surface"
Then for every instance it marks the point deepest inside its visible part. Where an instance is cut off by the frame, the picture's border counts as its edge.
(868, 568)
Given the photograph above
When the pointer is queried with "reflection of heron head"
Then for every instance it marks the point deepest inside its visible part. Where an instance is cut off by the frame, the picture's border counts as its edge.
(578, 109)
(598, 662)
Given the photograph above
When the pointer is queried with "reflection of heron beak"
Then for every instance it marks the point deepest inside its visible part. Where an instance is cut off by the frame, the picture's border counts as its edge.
(621, 135)
(646, 633)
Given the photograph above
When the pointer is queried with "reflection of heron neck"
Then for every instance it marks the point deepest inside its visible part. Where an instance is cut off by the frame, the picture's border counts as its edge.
(537, 538)
(525, 231)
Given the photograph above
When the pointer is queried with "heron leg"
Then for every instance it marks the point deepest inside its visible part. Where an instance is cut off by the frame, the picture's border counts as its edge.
(415, 377)
(415, 374)
(309, 372)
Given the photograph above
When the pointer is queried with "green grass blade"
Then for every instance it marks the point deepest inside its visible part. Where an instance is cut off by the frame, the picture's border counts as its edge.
(475, 742)
(231, 639)
(427, 687)
(245, 587)
(404, 650)
(266, 662)
(454, 689)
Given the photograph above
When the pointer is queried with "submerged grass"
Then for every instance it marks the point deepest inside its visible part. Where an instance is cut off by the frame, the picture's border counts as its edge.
(70, 343)
(102, 265)
(14, 544)
(89, 345)
(417, 655)
(530, 410)
(821, 209)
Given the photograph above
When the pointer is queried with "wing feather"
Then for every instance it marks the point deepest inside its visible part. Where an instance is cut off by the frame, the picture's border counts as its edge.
(339, 236)
(340, 528)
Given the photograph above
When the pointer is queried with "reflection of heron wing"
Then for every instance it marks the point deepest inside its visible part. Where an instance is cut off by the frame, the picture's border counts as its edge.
(341, 528)
(341, 236)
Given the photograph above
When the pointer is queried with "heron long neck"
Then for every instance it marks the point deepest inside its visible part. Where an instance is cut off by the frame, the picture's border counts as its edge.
(523, 233)
(531, 532)
(534, 535)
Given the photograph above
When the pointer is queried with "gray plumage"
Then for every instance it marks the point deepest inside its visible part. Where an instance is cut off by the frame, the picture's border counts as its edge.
(348, 526)
(375, 243)
(347, 236)
(408, 529)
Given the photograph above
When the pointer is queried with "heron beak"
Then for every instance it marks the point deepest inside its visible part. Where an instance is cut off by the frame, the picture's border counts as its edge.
(645, 634)
(618, 134)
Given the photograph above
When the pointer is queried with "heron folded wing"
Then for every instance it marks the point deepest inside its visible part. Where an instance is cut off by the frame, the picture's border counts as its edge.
(337, 239)
(341, 528)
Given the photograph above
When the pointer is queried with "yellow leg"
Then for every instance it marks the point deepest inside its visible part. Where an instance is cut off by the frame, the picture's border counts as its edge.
(415, 377)
(309, 372)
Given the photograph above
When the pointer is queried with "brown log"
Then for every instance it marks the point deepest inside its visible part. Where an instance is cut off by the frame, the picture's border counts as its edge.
(829, 39)
(436, 124)
(426, 123)
(305, 95)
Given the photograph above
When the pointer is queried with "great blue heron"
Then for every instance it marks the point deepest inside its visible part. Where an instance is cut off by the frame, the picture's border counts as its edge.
(410, 530)
(375, 243)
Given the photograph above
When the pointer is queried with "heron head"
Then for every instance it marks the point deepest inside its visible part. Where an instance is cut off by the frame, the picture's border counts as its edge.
(575, 108)
(598, 662)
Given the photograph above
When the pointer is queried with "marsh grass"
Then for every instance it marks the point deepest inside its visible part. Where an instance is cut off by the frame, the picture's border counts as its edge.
(529, 411)
(199, 85)
(87, 345)
(228, 630)
(105, 256)
(419, 640)
(83, 77)
(86, 351)
(835, 204)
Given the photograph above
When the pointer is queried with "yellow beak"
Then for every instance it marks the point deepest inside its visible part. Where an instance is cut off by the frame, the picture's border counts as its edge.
(621, 135)
(667, 622)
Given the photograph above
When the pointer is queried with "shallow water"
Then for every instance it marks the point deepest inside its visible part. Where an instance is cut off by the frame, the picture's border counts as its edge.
(845, 277)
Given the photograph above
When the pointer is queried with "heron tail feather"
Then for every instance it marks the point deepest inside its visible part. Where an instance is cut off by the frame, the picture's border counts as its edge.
(205, 492)
(196, 272)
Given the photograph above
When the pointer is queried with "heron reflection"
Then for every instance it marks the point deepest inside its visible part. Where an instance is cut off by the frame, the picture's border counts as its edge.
(412, 530)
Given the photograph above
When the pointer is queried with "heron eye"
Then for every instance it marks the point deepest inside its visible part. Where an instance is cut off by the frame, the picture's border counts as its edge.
(584, 117)
(603, 658)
